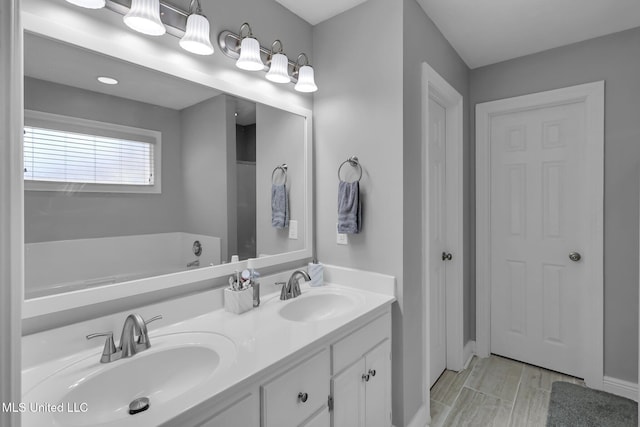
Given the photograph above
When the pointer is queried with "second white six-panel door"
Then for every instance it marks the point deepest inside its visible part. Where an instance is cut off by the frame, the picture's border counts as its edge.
(538, 202)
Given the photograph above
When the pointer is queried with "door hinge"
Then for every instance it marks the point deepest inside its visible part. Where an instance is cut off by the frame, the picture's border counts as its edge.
(330, 403)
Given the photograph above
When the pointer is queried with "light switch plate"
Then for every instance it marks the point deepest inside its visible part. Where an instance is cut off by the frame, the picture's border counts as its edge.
(341, 239)
(293, 229)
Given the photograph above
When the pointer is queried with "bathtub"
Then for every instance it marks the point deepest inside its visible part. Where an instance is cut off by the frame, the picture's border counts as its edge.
(69, 265)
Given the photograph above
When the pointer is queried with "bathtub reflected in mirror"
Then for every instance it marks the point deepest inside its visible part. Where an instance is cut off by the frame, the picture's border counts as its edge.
(149, 176)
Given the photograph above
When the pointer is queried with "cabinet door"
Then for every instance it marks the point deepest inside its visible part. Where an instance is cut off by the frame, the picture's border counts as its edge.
(348, 391)
(378, 393)
(242, 413)
(283, 401)
(321, 419)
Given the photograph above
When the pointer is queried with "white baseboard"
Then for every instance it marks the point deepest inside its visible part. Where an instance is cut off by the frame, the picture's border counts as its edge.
(620, 388)
(421, 418)
(468, 352)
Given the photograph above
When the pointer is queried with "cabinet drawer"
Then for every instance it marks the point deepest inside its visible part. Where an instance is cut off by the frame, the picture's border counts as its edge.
(282, 406)
(351, 348)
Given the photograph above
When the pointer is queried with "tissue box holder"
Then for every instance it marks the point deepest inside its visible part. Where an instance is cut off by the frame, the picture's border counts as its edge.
(238, 301)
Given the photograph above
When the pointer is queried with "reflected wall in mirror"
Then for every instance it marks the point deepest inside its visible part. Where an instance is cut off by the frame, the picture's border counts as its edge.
(149, 176)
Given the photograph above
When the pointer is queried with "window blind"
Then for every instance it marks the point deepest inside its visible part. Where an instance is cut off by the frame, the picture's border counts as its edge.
(61, 156)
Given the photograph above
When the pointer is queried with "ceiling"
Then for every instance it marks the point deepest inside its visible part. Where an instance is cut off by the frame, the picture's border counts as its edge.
(316, 11)
(61, 63)
(486, 32)
(57, 62)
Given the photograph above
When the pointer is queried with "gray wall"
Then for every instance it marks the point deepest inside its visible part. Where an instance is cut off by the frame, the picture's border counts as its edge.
(279, 139)
(205, 151)
(423, 42)
(61, 216)
(246, 143)
(358, 111)
(615, 59)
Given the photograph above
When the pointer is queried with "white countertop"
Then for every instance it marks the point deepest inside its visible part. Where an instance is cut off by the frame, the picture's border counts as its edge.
(263, 341)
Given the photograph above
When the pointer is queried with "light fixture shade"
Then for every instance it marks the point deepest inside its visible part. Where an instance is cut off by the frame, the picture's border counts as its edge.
(144, 17)
(306, 80)
(88, 4)
(279, 70)
(196, 38)
(250, 55)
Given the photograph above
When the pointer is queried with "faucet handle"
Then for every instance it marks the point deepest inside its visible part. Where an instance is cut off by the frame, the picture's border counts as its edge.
(109, 346)
(153, 319)
(143, 338)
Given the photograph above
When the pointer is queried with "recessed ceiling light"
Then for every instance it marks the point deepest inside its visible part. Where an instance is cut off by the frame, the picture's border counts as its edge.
(107, 80)
(236, 114)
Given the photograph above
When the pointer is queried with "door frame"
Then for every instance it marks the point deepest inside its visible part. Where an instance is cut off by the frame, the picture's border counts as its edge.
(592, 94)
(436, 87)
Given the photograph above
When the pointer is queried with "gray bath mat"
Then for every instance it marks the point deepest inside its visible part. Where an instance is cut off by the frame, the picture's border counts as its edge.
(572, 405)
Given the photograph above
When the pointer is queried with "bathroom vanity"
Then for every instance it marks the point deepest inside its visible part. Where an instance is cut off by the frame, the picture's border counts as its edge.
(321, 359)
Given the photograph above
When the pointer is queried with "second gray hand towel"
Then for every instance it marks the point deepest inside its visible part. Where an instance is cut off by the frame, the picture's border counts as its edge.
(279, 206)
(349, 212)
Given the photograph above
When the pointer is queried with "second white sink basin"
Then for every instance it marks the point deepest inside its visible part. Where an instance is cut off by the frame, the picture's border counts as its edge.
(173, 365)
(319, 305)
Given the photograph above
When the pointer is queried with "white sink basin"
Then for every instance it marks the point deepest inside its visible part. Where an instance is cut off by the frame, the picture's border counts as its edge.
(173, 365)
(319, 305)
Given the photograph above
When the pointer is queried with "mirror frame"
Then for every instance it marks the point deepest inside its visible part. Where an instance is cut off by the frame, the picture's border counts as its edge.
(76, 31)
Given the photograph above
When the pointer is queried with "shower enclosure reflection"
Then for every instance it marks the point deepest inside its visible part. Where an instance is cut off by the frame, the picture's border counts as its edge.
(150, 176)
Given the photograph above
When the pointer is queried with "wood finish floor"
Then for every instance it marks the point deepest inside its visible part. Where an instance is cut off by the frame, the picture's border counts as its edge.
(495, 392)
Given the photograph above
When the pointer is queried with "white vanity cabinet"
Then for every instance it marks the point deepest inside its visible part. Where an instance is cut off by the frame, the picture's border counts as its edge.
(361, 382)
(294, 396)
(342, 381)
(240, 409)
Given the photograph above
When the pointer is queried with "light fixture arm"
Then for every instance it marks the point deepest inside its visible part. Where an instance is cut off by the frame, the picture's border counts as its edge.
(195, 7)
(273, 50)
(248, 28)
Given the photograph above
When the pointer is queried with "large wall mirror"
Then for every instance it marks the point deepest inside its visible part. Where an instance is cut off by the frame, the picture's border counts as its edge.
(152, 177)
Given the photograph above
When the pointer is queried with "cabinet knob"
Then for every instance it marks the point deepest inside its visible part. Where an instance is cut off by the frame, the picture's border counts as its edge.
(302, 397)
(372, 372)
(365, 377)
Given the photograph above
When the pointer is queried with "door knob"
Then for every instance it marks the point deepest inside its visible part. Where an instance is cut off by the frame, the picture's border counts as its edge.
(575, 256)
(446, 256)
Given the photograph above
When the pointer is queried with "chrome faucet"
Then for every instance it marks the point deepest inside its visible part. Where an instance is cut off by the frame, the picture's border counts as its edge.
(129, 346)
(292, 288)
(195, 263)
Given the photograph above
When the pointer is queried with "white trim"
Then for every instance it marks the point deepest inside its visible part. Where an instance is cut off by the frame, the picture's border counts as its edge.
(621, 388)
(421, 418)
(11, 208)
(592, 94)
(434, 86)
(94, 127)
(469, 351)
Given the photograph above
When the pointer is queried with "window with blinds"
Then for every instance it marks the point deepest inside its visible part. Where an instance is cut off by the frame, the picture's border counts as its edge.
(62, 150)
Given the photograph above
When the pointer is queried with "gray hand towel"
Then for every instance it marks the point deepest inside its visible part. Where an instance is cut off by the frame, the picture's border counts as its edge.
(279, 206)
(349, 212)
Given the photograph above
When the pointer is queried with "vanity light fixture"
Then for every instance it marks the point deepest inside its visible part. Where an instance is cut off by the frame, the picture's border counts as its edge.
(249, 51)
(306, 81)
(107, 80)
(196, 38)
(279, 65)
(89, 4)
(144, 17)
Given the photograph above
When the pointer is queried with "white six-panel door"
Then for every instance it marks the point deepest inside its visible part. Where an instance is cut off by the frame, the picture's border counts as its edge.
(437, 220)
(539, 202)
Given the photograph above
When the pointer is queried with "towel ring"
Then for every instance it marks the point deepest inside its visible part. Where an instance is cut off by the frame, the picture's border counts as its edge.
(354, 162)
(283, 167)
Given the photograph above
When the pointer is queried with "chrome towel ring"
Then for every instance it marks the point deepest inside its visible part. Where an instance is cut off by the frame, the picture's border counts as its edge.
(283, 167)
(354, 162)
